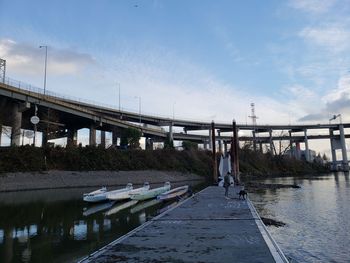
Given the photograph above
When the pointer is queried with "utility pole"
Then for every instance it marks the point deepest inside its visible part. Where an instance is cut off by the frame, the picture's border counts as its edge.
(45, 68)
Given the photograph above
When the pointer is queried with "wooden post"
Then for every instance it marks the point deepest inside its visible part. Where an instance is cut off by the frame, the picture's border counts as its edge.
(215, 167)
(235, 151)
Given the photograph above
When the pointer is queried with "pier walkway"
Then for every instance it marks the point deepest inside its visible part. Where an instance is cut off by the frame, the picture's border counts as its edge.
(204, 228)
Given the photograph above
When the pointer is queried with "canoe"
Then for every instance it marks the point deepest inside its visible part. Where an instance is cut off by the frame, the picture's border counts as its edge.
(176, 192)
(101, 194)
(151, 193)
(122, 195)
(95, 196)
(115, 209)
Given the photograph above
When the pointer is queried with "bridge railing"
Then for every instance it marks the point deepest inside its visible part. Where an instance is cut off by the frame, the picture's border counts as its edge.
(31, 88)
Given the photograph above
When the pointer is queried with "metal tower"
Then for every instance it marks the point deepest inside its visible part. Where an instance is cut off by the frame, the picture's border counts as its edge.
(253, 117)
(2, 70)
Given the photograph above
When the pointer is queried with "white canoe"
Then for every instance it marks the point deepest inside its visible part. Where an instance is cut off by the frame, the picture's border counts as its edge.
(173, 193)
(116, 196)
(151, 193)
(101, 194)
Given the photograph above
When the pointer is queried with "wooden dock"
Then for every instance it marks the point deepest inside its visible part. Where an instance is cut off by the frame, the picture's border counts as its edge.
(205, 228)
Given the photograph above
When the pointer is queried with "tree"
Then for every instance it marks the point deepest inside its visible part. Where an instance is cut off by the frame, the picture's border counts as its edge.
(130, 137)
(188, 145)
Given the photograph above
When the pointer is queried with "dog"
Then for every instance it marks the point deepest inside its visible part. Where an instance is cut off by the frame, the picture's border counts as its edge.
(242, 194)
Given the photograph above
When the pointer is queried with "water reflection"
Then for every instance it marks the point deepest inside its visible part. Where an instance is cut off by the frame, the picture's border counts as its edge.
(64, 228)
(316, 215)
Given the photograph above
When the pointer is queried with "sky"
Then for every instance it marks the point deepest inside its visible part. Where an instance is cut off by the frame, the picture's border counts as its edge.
(198, 59)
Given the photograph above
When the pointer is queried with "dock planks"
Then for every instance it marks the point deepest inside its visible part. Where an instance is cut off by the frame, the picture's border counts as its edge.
(205, 228)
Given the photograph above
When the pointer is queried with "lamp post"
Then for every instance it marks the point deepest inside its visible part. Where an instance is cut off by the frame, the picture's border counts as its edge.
(45, 67)
(138, 97)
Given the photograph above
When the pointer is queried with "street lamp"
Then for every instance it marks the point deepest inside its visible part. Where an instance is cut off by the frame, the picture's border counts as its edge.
(45, 67)
(138, 97)
(336, 116)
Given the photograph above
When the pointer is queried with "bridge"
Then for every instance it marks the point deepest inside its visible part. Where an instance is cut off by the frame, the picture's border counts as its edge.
(62, 117)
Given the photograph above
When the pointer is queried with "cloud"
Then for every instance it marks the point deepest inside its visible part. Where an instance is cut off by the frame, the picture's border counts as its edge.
(334, 38)
(312, 6)
(334, 102)
(29, 59)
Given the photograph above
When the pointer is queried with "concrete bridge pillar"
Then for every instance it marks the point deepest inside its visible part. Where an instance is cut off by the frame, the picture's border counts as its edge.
(149, 144)
(343, 148)
(16, 119)
(72, 137)
(333, 148)
(254, 141)
(114, 136)
(291, 144)
(92, 136)
(307, 151)
(261, 146)
(103, 139)
(205, 145)
(210, 140)
(171, 134)
(271, 142)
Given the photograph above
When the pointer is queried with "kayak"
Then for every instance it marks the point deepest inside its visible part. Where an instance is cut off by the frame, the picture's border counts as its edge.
(148, 194)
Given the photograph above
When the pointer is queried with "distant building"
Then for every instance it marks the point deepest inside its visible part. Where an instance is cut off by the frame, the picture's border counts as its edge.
(301, 154)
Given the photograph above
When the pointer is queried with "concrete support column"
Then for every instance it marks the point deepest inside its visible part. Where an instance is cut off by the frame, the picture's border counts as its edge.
(271, 143)
(215, 167)
(16, 119)
(261, 146)
(114, 137)
(92, 136)
(44, 139)
(297, 150)
(205, 145)
(254, 141)
(210, 140)
(103, 139)
(334, 156)
(171, 134)
(72, 137)
(307, 151)
(343, 148)
(149, 144)
(291, 144)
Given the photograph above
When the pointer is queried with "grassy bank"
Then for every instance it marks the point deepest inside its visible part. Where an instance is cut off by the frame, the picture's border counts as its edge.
(27, 158)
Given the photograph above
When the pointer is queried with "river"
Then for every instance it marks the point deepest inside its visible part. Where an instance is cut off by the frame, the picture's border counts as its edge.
(57, 226)
(316, 216)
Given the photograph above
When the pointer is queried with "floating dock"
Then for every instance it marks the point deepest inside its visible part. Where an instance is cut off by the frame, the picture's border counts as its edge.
(205, 228)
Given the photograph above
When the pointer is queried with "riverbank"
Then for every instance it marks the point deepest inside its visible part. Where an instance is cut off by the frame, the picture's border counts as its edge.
(73, 179)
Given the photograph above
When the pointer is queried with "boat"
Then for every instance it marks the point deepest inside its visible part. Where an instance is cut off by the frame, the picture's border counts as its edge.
(176, 192)
(115, 209)
(122, 195)
(148, 194)
(100, 195)
(95, 196)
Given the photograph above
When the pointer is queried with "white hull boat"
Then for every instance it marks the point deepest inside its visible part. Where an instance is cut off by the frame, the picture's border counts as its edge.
(101, 194)
(95, 196)
(122, 195)
(144, 195)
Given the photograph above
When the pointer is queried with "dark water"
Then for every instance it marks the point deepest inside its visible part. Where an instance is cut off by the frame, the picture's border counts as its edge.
(57, 226)
(317, 217)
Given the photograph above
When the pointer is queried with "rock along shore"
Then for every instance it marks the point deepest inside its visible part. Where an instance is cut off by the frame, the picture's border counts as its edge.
(72, 179)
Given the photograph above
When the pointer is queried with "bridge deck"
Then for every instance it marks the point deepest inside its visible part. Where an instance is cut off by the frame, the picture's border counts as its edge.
(205, 228)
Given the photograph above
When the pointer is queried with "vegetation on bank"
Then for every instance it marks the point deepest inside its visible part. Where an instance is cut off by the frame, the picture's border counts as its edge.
(28, 158)
(191, 160)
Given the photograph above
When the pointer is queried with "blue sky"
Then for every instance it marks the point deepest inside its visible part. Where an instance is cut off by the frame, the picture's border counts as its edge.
(205, 60)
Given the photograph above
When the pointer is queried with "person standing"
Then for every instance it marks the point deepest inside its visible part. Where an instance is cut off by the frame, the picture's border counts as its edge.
(227, 183)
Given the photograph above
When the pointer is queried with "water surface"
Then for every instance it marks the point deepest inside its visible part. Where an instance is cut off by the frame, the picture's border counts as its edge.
(317, 216)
